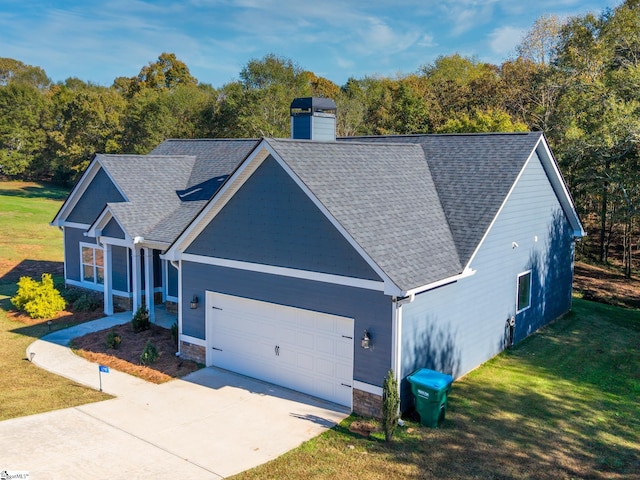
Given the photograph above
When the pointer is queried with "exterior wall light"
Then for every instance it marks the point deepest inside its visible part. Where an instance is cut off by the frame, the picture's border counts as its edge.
(194, 302)
(365, 342)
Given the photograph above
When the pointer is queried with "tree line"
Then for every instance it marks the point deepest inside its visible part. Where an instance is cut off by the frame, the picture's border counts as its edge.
(577, 80)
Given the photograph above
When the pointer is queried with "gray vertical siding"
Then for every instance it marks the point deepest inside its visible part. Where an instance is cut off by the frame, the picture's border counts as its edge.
(72, 239)
(172, 280)
(113, 230)
(371, 310)
(100, 191)
(119, 268)
(457, 327)
(271, 221)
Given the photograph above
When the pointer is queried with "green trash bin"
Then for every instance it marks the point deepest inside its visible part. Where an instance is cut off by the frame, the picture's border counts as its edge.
(430, 390)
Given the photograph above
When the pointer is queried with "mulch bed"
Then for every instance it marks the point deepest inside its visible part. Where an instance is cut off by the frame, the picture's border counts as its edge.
(126, 358)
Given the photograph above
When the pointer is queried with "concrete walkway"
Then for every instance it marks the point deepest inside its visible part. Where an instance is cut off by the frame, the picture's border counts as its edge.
(208, 425)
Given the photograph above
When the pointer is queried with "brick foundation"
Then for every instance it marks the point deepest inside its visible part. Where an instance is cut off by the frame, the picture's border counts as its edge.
(197, 353)
(171, 307)
(122, 303)
(367, 404)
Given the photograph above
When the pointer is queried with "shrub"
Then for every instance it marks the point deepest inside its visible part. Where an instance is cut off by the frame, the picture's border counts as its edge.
(86, 302)
(71, 294)
(113, 340)
(149, 354)
(174, 334)
(390, 405)
(140, 321)
(38, 299)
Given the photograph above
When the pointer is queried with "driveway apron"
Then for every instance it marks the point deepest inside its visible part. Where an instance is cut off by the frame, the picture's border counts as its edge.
(208, 425)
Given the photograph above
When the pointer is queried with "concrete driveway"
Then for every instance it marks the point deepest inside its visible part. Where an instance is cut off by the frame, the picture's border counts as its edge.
(209, 425)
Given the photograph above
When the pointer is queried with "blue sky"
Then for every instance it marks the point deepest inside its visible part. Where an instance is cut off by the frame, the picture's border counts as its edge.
(98, 41)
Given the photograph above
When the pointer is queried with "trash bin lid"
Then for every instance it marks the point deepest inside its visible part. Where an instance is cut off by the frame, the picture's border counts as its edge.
(430, 378)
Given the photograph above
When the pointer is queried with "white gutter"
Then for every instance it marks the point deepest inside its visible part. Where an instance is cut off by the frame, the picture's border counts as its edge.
(467, 272)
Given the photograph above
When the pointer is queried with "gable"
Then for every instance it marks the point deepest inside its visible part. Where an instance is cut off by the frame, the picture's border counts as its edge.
(99, 192)
(113, 230)
(270, 221)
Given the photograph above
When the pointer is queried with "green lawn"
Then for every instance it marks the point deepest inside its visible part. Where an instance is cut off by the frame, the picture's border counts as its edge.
(29, 246)
(563, 404)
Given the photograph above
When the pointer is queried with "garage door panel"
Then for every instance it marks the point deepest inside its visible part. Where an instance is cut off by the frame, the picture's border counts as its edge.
(295, 348)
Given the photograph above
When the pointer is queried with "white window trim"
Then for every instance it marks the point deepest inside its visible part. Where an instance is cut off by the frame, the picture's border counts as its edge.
(94, 285)
(520, 275)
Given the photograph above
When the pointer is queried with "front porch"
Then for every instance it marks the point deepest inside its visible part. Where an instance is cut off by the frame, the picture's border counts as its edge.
(161, 317)
(143, 279)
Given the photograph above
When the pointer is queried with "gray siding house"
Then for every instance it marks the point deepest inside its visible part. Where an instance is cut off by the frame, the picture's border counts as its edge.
(319, 263)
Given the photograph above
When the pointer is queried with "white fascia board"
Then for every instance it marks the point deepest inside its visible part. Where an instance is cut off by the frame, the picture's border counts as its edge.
(390, 287)
(559, 186)
(119, 242)
(286, 272)
(219, 200)
(80, 226)
(467, 272)
(154, 244)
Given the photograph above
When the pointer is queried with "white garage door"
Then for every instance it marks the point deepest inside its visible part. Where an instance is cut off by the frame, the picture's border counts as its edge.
(299, 349)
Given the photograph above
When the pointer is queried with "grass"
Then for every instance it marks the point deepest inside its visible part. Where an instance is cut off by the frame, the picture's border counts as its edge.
(25, 212)
(29, 246)
(562, 404)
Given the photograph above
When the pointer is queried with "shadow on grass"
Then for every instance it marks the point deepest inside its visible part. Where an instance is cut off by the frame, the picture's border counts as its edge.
(562, 404)
(34, 269)
(42, 190)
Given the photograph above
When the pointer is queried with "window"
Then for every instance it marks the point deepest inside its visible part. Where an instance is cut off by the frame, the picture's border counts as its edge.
(92, 264)
(524, 291)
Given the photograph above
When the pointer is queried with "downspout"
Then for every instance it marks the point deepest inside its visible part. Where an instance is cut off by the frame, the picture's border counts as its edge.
(396, 362)
(396, 365)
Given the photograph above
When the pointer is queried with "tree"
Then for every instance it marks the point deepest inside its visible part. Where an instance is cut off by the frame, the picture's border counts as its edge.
(22, 137)
(87, 121)
(14, 71)
(461, 85)
(540, 42)
(482, 121)
(258, 105)
(166, 73)
(390, 405)
(598, 128)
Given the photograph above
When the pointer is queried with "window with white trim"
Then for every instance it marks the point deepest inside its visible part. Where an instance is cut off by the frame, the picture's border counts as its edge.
(523, 297)
(92, 264)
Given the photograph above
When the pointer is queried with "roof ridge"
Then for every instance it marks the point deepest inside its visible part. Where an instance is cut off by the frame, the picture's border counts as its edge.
(210, 139)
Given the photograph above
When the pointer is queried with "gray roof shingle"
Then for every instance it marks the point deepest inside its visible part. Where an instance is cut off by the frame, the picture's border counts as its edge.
(418, 205)
(214, 157)
(384, 197)
(168, 187)
(473, 174)
(149, 183)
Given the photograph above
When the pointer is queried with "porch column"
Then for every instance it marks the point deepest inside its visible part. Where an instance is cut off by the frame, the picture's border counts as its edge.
(108, 281)
(135, 278)
(148, 282)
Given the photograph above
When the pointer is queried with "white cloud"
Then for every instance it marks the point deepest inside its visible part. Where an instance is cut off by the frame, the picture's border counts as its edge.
(503, 40)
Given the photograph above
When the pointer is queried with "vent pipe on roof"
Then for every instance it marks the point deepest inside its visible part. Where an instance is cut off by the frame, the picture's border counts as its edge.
(313, 118)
